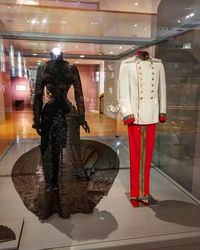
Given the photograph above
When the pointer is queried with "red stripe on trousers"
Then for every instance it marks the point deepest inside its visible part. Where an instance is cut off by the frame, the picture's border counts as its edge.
(134, 133)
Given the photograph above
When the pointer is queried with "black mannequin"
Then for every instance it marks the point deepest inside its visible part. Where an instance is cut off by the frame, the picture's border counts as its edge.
(57, 76)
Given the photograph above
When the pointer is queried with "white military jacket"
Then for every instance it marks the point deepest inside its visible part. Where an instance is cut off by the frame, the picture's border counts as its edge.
(142, 89)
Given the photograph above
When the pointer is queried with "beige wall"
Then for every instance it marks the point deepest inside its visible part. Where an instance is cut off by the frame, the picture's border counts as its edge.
(89, 86)
(144, 6)
(2, 108)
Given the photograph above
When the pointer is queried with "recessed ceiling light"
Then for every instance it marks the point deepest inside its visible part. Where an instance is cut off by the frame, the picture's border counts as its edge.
(33, 21)
(82, 56)
(63, 22)
(179, 21)
(94, 23)
(136, 4)
(120, 47)
(8, 7)
(135, 25)
(76, 46)
(44, 20)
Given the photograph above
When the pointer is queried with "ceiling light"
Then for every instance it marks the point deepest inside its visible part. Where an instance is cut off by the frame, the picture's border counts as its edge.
(110, 52)
(76, 46)
(31, 2)
(189, 16)
(120, 47)
(94, 23)
(44, 20)
(135, 25)
(35, 54)
(179, 21)
(136, 4)
(56, 51)
(77, 62)
(33, 21)
(63, 22)
(8, 7)
(82, 56)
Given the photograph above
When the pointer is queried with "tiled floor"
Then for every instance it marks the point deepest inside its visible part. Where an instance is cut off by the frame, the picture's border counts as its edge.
(173, 224)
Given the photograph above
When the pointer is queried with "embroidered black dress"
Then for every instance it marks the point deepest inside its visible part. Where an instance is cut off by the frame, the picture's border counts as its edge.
(53, 121)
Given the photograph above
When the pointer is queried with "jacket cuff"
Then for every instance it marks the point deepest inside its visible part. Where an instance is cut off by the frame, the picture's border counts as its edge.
(129, 119)
(162, 117)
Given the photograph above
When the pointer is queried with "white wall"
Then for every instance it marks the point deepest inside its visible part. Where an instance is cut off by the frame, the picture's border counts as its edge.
(144, 6)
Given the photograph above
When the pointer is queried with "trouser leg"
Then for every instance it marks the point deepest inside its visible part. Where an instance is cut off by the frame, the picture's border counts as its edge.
(134, 143)
(150, 138)
(141, 144)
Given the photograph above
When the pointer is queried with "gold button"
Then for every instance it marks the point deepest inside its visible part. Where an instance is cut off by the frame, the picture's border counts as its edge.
(139, 67)
(152, 97)
(152, 85)
(152, 78)
(152, 73)
(152, 91)
(141, 98)
(140, 73)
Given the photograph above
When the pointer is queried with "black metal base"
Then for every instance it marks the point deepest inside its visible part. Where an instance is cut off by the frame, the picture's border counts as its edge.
(143, 201)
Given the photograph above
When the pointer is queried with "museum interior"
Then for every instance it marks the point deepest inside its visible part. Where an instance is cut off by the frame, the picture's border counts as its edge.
(89, 139)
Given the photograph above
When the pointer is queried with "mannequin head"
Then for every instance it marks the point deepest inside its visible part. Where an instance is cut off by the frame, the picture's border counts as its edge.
(142, 54)
(56, 54)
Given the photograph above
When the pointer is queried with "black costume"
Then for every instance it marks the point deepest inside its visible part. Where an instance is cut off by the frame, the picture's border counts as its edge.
(51, 121)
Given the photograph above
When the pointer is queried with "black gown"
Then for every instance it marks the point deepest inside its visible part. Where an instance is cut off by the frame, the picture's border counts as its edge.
(57, 126)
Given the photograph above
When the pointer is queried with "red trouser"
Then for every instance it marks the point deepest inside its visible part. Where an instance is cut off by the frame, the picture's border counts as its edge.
(141, 144)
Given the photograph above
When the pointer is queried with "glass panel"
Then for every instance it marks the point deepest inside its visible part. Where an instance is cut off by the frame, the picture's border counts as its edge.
(177, 144)
(35, 48)
(22, 18)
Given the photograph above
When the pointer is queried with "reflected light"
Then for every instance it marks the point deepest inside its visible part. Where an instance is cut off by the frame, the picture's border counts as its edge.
(33, 21)
(30, 2)
(56, 51)
(19, 64)
(189, 16)
(187, 46)
(44, 20)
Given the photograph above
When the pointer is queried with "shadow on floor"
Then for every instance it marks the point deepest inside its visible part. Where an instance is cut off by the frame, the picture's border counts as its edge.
(178, 212)
(86, 227)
